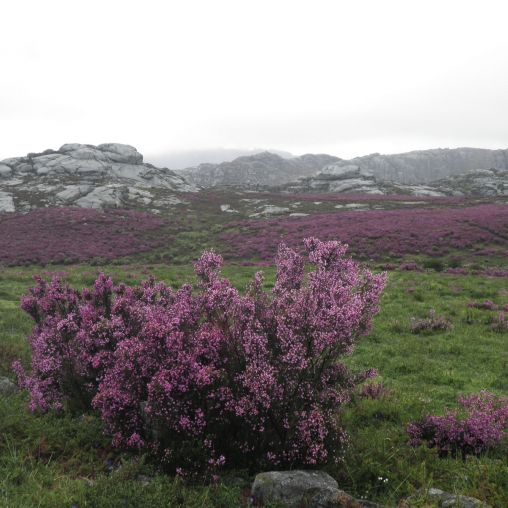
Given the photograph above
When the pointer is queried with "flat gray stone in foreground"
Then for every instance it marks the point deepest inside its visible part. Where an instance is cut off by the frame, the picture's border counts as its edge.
(447, 500)
(298, 489)
(7, 387)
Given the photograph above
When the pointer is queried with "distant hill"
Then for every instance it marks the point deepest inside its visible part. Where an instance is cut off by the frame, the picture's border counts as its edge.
(261, 169)
(418, 167)
(181, 159)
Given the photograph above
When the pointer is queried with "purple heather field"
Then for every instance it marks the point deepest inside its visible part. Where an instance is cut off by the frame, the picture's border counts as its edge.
(380, 233)
(74, 234)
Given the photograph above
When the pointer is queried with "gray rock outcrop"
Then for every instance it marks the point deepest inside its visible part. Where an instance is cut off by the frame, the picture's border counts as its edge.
(294, 489)
(6, 202)
(446, 500)
(352, 179)
(423, 166)
(476, 182)
(114, 175)
(412, 172)
(337, 179)
(7, 387)
(262, 169)
(107, 175)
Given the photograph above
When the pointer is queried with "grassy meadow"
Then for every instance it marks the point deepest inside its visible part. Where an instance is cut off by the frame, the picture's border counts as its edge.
(50, 460)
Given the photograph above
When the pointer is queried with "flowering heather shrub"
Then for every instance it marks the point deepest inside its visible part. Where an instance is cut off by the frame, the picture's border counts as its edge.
(378, 233)
(486, 305)
(430, 324)
(50, 235)
(482, 425)
(209, 377)
(494, 272)
(72, 342)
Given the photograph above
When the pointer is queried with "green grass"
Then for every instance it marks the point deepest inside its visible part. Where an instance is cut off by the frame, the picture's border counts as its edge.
(51, 460)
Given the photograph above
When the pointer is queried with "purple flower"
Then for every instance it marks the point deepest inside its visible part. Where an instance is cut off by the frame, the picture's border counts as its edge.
(483, 425)
(50, 235)
(206, 377)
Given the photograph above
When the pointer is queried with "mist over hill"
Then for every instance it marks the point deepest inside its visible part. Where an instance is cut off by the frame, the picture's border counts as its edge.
(181, 159)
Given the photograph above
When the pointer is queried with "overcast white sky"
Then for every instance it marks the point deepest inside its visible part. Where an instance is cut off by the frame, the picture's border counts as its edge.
(341, 77)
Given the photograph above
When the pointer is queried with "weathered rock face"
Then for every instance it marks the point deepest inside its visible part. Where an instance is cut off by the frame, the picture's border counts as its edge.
(366, 174)
(7, 387)
(108, 175)
(353, 180)
(423, 166)
(337, 179)
(478, 182)
(262, 169)
(445, 500)
(6, 202)
(294, 489)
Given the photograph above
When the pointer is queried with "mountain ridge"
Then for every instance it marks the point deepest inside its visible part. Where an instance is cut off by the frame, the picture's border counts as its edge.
(261, 169)
(115, 175)
(415, 167)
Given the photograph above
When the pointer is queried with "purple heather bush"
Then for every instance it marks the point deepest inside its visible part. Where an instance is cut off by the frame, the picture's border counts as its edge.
(494, 272)
(486, 305)
(72, 342)
(207, 377)
(481, 424)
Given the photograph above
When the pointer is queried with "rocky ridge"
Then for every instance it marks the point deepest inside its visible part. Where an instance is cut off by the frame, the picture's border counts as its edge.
(114, 175)
(87, 176)
(260, 170)
(424, 166)
(352, 179)
(409, 172)
(478, 182)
